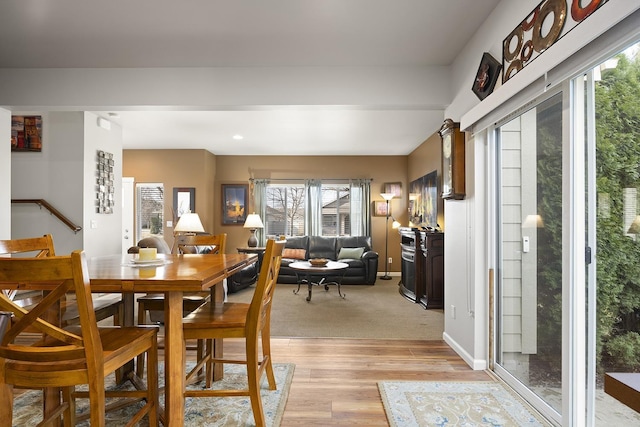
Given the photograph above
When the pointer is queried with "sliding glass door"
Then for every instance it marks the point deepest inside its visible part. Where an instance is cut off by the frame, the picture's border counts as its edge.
(567, 283)
(529, 295)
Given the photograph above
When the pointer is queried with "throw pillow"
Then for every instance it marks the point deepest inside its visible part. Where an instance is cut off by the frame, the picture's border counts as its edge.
(350, 253)
(294, 253)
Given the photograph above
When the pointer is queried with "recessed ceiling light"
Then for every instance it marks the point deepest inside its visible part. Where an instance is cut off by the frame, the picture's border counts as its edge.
(238, 137)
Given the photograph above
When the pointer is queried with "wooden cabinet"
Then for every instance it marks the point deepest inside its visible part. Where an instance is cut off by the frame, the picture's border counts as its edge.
(422, 258)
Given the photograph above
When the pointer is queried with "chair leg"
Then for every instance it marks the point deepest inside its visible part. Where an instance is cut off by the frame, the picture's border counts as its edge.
(70, 411)
(97, 402)
(254, 381)
(266, 352)
(6, 398)
(152, 383)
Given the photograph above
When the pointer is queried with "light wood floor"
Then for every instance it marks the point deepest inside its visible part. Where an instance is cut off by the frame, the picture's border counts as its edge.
(335, 379)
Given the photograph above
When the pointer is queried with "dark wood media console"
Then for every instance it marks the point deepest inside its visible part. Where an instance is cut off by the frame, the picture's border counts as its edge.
(422, 255)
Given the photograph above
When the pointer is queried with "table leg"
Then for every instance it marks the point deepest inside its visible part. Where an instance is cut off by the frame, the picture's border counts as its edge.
(128, 301)
(174, 360)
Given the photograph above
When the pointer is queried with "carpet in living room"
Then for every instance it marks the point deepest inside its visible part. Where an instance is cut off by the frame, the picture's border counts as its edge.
(368, 311)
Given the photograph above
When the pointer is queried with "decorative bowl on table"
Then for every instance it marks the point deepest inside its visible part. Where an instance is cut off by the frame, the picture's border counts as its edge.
(318, 262)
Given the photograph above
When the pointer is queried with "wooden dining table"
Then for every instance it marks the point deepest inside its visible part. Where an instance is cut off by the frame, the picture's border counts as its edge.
(172, 275)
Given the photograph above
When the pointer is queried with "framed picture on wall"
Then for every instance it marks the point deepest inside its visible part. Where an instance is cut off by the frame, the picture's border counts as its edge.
(235, 198)
(26, 133)
(423, 201)
(394, 188)
(184, 201)
(380, 208)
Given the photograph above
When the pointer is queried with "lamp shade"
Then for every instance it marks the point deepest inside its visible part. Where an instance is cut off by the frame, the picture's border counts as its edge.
(189, 223)
(253, 221)
(387, 196)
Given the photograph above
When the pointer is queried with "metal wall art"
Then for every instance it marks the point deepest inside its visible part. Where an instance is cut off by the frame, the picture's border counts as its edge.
(545, 25)
(104, 180)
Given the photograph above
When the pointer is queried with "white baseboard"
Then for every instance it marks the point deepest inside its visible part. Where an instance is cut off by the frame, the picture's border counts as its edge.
(475, 364)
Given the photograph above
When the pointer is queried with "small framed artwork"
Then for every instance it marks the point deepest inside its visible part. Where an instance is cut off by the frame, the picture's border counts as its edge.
(26, 133)
(487, 76)
(234, 203)
(394, 188)
(380, 208)
(184, 201)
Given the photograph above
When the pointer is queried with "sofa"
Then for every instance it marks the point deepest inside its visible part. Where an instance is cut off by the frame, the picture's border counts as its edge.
(353, 250)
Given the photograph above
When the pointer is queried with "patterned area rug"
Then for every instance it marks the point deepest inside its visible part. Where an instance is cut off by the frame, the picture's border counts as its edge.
(426, 403)
(204, 411)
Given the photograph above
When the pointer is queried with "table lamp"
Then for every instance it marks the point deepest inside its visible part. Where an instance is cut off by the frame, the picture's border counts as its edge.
(253, 222)
(189, 223)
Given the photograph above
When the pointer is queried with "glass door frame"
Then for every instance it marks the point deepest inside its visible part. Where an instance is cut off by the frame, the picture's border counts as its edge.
(573, 265)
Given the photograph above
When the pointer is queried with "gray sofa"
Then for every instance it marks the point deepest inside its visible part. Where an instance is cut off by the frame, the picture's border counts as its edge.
(361, 271)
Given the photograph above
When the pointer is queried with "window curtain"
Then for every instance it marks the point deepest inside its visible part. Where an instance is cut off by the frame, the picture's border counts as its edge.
(259, 189)
(313, 208)
(360, 213)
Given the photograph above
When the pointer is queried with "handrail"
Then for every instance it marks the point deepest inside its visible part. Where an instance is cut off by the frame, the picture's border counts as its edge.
(44, 204)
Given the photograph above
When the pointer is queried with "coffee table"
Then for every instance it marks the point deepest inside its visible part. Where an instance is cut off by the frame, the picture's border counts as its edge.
(318, 276)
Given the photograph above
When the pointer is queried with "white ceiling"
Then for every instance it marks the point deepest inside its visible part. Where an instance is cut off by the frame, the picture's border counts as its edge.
(250, 33)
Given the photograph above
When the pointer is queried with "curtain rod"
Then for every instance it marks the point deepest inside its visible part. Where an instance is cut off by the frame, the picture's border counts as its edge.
(306, 179)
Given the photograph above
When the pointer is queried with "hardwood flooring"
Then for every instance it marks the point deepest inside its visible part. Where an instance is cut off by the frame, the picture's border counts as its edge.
(335, 379)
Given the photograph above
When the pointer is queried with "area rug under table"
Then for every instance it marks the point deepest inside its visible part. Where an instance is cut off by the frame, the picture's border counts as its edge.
(444, 403)
(201, 411)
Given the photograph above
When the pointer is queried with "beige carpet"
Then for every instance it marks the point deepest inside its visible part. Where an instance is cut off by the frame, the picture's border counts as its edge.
(204, 411)
(377, 311)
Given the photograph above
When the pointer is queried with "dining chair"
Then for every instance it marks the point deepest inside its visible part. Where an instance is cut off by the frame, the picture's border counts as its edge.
(186, 244)
(251, 321)
(65, 358)
(105, 306)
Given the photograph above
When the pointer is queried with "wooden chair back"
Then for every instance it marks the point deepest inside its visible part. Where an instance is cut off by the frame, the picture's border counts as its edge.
(259, 314)
(36, 247)
(40, 246)
(64, 358)
(67, 274)
(188, 243)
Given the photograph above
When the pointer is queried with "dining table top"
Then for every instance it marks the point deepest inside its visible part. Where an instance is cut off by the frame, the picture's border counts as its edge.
(169, 272)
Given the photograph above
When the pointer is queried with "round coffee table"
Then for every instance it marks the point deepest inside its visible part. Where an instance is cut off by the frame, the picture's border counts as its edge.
(318, 276)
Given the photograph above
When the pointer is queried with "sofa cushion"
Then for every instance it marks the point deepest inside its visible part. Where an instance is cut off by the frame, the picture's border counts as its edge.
(294, 253)
(298, 242)
(322, 247)
(354, 242)
(350, 253)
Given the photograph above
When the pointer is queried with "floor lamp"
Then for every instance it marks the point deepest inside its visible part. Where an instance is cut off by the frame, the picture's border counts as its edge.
(387, 197)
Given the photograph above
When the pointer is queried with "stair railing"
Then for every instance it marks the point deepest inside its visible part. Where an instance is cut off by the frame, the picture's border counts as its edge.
(44, 204)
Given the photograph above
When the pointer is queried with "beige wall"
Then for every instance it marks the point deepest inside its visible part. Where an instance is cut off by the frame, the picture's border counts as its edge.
(176, 168)
(206, 172)
(381, 169)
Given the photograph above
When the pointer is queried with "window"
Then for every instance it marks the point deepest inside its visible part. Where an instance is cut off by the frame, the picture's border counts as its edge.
(149, 210)
(335, 210)
(330, 208)
(285, 209)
